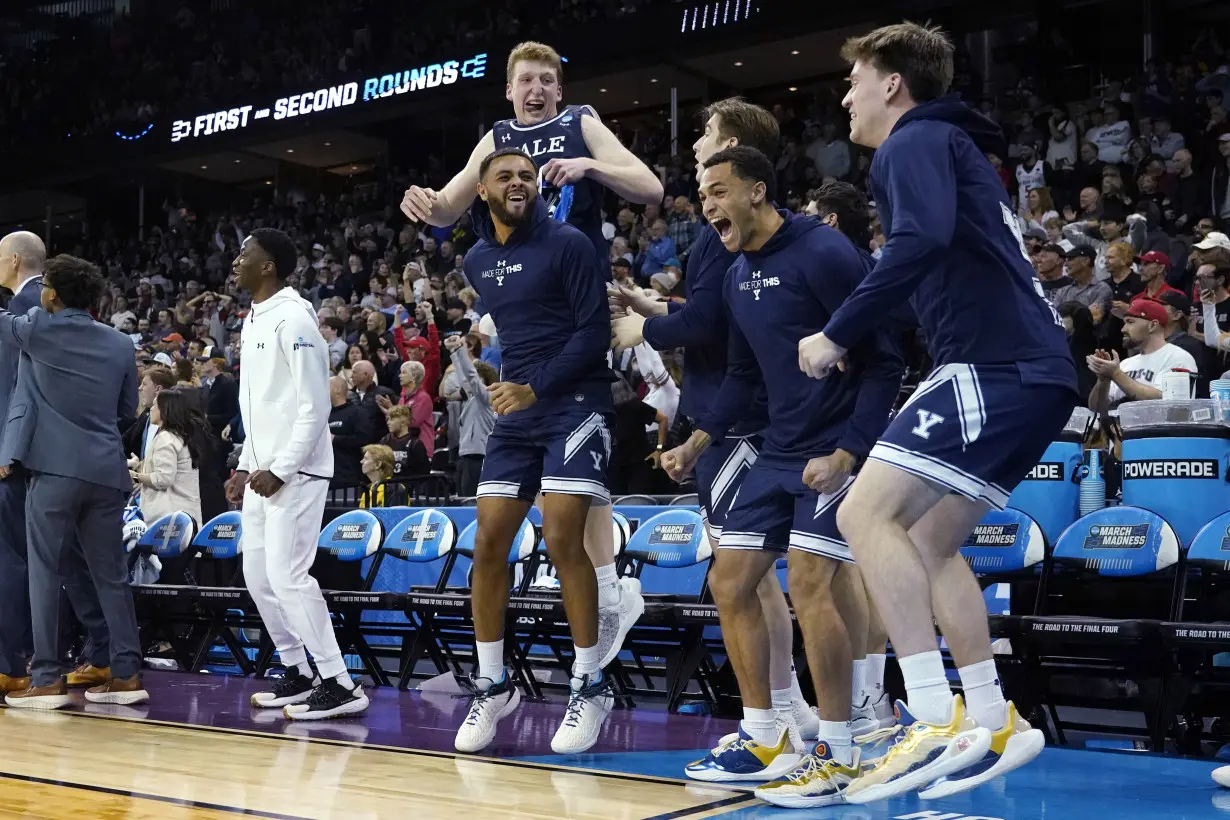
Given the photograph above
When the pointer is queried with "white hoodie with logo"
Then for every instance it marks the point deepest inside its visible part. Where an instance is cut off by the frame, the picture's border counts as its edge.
(284, 390)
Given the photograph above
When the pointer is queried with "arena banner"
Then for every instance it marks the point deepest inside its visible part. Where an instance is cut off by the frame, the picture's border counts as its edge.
(342, 95)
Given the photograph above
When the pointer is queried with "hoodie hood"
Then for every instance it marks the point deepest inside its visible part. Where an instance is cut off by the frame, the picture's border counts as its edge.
(988, 136)
(480, 215)
(286, 295)
(795, 227)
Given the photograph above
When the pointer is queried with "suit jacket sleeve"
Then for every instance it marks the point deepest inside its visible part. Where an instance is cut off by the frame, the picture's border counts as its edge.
(20, 330)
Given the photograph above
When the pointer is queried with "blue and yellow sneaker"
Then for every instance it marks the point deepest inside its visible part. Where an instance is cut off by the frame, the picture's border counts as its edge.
(1013, 746)
(745, 759)
(874, 745)
(818, 781)
(922, 753)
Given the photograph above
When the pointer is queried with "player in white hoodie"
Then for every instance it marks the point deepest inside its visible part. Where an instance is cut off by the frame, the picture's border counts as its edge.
(283, 478)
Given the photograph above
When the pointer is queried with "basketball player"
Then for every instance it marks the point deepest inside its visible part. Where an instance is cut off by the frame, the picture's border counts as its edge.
(543, 285)
(792, 275)
(574, 151)
(283, 478)
(1003, 386)
(699, 325)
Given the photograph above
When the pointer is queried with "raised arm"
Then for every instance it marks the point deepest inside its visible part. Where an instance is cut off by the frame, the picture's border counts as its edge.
(617, 168)
(444, 207)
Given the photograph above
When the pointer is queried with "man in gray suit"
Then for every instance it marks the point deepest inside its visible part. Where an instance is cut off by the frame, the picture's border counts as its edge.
(22, 255)
(76, 378)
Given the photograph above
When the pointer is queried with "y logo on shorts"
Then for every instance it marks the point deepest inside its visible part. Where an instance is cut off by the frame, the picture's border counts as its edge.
(926, 420)
(597, 457)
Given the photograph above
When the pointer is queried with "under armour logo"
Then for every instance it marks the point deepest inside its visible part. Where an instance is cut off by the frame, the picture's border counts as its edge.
(501, 263)
(926, 420)
(260, 345)
(506, 138)
(597, 457)
(755, 274)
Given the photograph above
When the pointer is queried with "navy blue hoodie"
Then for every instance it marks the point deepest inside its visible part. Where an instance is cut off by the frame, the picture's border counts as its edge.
(546, 293)
(699, 325)
(955, 250)
(776, 296)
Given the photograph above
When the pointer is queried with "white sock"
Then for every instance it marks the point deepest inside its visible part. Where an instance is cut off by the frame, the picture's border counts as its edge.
(983, 695)
(783, 703)
(858, 697)
(608, 586)
(761, 726)
(585, 661)
(873, 676)
(926, 687)
(491, 660)
(346, 681)
(302, 669)
(837, 735)
(796, 691)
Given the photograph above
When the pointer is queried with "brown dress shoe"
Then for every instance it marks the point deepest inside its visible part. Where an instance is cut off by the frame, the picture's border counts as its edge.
(119, 691)
(88, 675)
(55, 696)
(9, 683)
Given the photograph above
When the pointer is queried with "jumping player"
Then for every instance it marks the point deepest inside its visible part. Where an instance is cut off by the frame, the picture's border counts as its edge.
(699, 325)
(283, 481)
(792, 275)
(570, 148)
(544, 287)
(1003, 386)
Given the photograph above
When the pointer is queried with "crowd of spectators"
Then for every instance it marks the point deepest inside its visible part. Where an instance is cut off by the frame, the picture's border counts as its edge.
(1121, 200)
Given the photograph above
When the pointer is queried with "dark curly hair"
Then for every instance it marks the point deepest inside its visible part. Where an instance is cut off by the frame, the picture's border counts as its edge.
(77, 283)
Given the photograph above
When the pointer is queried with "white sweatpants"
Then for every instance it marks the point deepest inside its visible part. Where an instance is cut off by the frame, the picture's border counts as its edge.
(279, 547)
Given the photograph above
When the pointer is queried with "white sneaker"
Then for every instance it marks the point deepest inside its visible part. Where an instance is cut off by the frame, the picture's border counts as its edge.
(588, 707)
(863, 719)
(489, 704)
(615, 622)
(806, 719)
(884, 713)
(1221, 776)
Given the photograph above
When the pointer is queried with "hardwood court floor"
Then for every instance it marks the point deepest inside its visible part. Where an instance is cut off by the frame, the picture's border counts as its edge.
(64, 765)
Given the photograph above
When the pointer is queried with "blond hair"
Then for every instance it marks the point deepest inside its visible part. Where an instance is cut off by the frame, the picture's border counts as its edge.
(921, 54)
(382, 454)
(400, 411)
(532, 52)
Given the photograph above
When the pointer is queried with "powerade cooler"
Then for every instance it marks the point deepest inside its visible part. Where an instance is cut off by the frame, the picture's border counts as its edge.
(1175, 460)
(1050, 494)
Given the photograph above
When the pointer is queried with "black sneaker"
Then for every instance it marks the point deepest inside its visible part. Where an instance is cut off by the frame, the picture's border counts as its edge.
(329, 700)
(290, 688)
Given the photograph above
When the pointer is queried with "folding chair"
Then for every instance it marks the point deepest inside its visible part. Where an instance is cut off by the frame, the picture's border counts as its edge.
(453, 625)
(671, 555)
(228, 610)
(686, 500)
(355, 536)
(1115, 576)
(1198, 687)
(167, 538)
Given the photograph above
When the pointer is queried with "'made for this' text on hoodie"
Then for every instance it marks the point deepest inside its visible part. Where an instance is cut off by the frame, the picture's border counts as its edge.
(546, 293)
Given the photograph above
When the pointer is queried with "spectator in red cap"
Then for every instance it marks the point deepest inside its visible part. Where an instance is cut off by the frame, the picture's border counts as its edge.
(1138, 377)
(1154, 266)
(415, 346)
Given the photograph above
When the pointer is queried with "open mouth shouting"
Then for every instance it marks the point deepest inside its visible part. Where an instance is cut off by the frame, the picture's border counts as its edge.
(725, 229)
(535, 108)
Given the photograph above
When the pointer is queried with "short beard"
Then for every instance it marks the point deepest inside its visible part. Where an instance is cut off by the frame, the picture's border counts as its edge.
(502, 216)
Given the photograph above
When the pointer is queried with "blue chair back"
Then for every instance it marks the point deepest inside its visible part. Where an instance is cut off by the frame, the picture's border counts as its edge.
(352, 536)
(674, 550)
(169, 536)
(1210, 548)
(523, 545)
(421, 537)
(1119, 542)
(222, 536)
(1005, 542)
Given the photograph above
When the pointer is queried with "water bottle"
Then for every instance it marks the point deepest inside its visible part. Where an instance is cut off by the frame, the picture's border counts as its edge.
(1093, 483)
